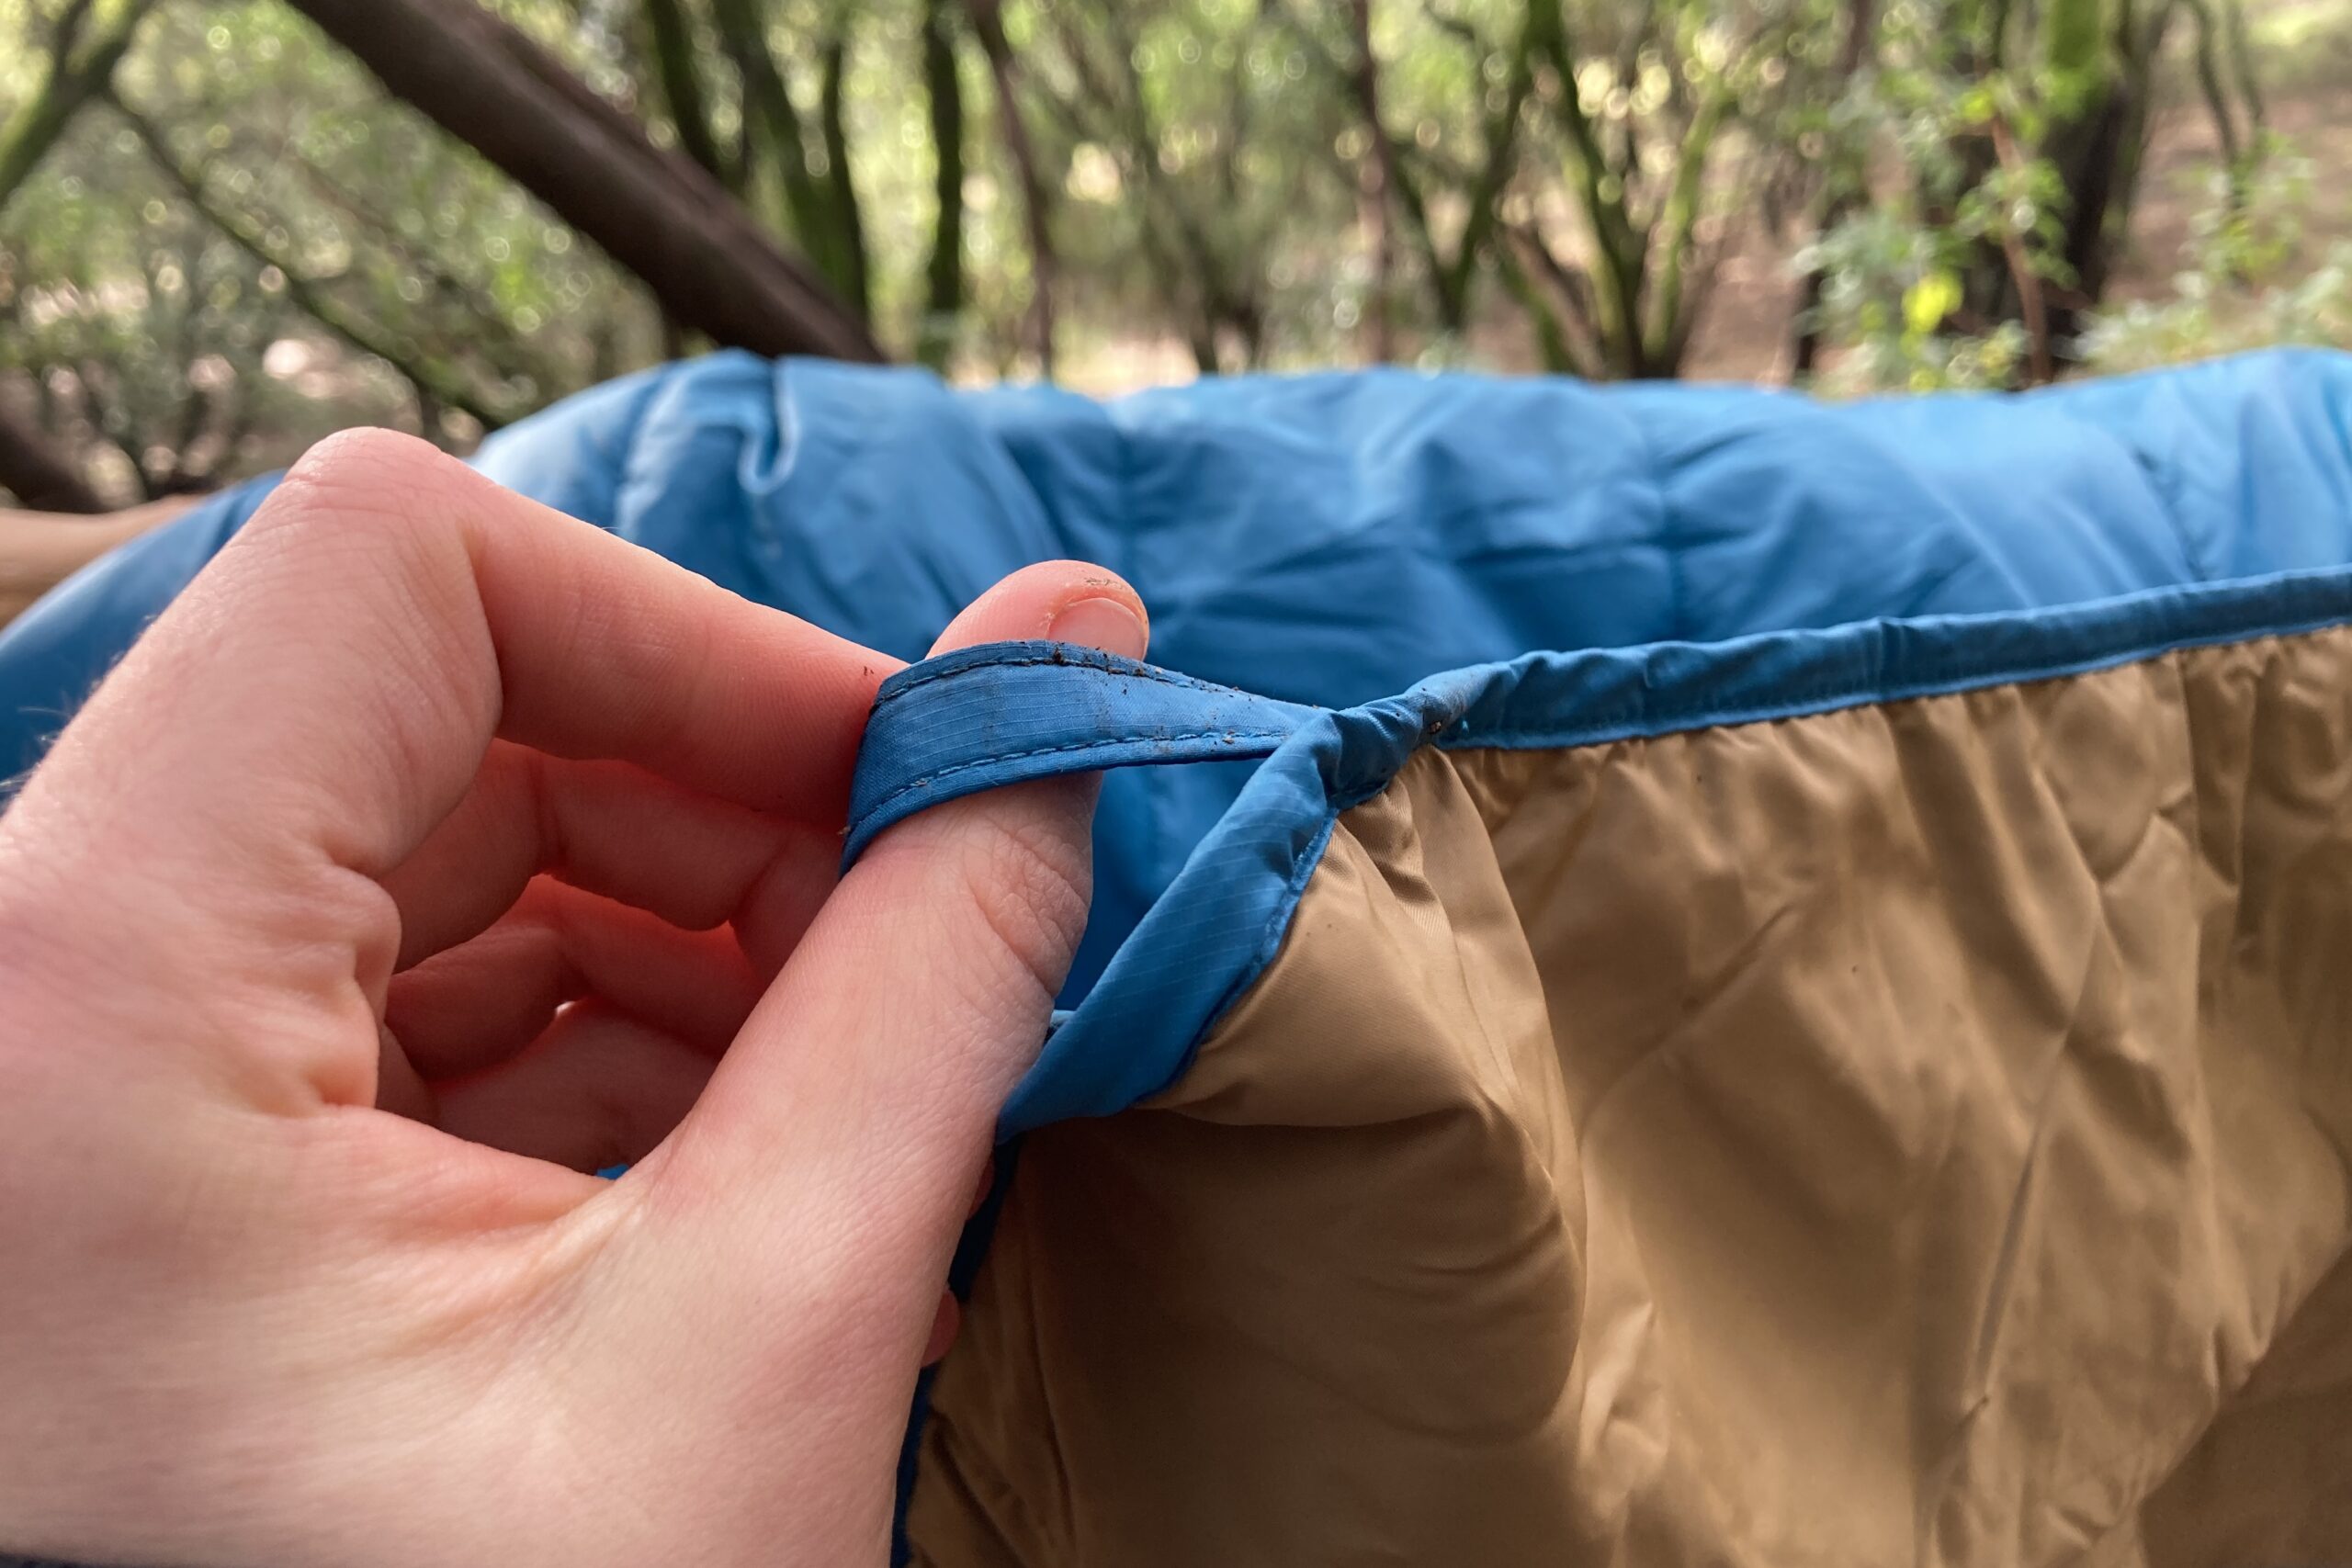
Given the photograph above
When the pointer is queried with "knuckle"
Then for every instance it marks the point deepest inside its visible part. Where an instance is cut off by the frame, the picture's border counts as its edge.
(363, 461)
(355, 488)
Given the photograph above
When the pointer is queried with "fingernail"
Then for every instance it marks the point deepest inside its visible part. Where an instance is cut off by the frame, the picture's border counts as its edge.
(1106, 624)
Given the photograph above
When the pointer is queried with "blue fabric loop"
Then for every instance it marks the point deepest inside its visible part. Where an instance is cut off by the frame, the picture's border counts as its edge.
(1003, 712)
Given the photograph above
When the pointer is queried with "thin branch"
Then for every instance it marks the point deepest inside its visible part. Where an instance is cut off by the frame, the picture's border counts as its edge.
(680, 79)
(250, 235)
(1502, 157)
(1841, 193)
(2242, 70)
(109, 419)
(1669, 327)
(775, 120)
(1453, 26)
(1623, 252)
(1450, 274)
(1575, 323)
(496, 342)
(90, 39)
(988, 24)
(2022, 274)
(1180, 250)
(2209, 82)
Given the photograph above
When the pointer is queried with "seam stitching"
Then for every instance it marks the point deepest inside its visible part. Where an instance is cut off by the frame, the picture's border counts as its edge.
(1934, 681)
(1141, 672)
(1095, 743)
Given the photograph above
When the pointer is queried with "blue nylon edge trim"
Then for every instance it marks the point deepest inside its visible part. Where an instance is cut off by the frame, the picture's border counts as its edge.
(1210, 934)
(1205, 940)
(998, 713)
(1547, 700)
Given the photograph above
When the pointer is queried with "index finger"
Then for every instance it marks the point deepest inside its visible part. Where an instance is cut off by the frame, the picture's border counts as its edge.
(336, 675)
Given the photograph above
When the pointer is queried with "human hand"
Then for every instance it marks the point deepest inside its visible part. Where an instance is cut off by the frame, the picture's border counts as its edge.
(300, 1264)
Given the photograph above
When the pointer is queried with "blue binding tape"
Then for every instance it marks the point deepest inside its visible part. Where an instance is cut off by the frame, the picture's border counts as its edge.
(1003, 712)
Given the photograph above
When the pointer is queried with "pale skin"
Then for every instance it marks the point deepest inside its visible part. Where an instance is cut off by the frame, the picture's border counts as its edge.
(431, 852)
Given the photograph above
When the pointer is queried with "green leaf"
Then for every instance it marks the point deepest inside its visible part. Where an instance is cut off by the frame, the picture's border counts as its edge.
(1927, 302)
(2073, 63)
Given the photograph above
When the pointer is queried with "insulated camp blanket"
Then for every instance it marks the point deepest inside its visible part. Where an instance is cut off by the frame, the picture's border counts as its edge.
(1679, 976)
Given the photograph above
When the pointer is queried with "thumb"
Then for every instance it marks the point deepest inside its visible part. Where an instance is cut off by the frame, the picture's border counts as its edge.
(801, 1217)
(863, 1089)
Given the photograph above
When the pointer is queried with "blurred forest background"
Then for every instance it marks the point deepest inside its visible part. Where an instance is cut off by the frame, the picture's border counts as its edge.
(227, 226)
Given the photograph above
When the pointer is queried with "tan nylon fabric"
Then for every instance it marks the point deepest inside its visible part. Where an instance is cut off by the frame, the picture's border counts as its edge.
(1914, 1133)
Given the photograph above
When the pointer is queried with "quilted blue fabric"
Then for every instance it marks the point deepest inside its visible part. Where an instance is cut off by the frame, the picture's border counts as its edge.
(1332, 539)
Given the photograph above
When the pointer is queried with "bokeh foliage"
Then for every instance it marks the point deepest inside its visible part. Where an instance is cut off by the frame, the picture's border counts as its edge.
(233, 239)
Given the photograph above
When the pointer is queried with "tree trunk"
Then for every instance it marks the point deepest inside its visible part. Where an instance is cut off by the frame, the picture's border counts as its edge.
(1378, 175)
(656, 213)
(847, 238)
(944, 300)
(39, 476)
